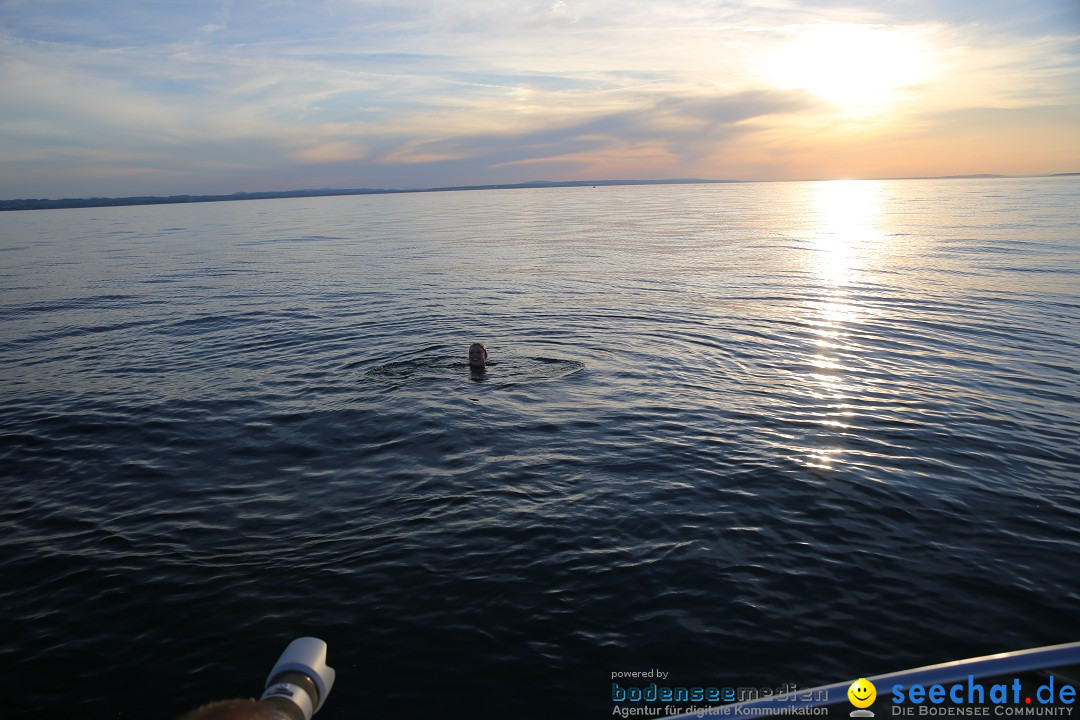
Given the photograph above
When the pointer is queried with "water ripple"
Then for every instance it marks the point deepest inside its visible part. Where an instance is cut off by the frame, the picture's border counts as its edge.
(747, 434)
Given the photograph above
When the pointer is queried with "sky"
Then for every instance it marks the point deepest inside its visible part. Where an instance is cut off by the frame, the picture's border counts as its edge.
(162, 97)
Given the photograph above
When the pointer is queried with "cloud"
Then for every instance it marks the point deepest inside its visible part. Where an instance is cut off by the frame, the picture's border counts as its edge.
(366, 92)
(334, 151)
(679, 125)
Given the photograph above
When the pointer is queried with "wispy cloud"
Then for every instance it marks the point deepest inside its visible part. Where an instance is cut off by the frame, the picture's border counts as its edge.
(199, 96)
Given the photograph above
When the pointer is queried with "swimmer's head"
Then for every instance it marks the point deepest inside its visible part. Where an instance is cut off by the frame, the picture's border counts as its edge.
(478, 355)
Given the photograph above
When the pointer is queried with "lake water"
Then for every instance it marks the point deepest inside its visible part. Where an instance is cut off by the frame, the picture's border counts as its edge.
(746, 434)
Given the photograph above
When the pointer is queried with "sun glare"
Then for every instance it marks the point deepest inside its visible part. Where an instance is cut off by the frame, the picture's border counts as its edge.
(861, 69)
(847, 232)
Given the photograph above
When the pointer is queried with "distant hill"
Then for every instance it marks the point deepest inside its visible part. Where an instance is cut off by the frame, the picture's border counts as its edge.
(41, 204)
(981, 176)
(35, 204)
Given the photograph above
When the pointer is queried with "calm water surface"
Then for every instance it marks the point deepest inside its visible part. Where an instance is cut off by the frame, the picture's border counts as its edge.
(746, 434)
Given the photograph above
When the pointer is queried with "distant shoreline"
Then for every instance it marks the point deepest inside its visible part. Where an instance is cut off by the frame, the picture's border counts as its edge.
(97, 202)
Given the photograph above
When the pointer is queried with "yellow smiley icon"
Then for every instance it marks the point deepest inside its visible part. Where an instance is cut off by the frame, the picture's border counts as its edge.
(862, 693)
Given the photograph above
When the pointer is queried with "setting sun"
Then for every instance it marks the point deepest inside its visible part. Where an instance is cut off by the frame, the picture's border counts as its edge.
(861, 69)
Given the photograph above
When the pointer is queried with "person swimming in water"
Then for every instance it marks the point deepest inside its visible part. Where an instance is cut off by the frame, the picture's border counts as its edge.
(478, 355)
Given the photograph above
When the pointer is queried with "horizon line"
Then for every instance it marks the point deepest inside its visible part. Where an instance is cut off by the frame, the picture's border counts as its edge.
(133, 200)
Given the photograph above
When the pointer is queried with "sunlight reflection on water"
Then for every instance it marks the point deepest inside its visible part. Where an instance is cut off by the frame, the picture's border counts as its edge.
(845, 245)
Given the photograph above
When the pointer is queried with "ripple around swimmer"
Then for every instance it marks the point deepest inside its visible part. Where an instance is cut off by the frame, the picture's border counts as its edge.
(507, 371)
